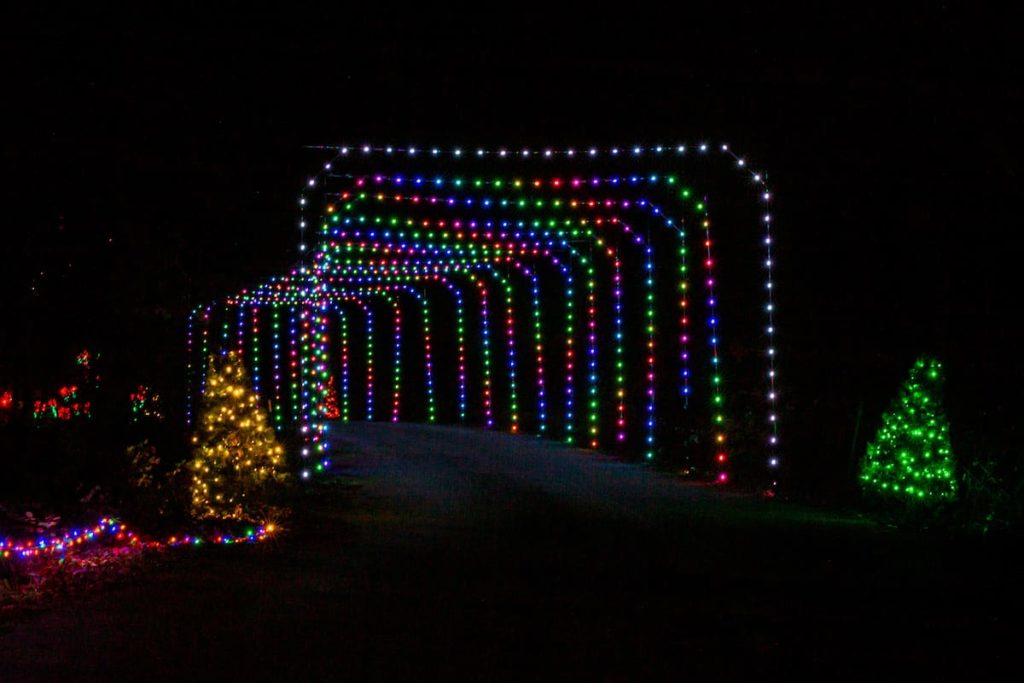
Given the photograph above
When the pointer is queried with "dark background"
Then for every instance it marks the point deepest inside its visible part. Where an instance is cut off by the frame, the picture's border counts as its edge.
(151, 162)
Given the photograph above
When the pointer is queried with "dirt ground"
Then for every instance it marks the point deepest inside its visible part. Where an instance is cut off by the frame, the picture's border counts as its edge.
(447, 553)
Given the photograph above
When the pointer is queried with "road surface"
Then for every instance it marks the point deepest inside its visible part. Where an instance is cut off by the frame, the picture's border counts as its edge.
(456, 554)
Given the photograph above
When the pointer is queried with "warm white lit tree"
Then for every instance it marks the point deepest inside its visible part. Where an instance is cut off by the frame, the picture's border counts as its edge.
(236, 456)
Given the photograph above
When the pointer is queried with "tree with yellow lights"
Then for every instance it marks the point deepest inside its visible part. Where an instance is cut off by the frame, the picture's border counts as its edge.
(236, 457)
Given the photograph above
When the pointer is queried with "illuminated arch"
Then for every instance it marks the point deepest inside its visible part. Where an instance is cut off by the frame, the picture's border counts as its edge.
(581, 206)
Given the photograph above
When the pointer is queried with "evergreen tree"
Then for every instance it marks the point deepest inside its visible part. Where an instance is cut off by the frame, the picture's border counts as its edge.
(910, 458)
(331, 410)
(236, 455)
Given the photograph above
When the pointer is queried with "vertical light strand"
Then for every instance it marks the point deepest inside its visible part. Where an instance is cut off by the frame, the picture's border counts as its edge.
(254, 342)
(485, 348)
(769, 264)
(570, 360)
(240, 348)
(538, 341)
(343, 332)
(684, 320)
(225, 329)
(304, 397)
(190, 380)
(276, 353)
(311, 183)
(204, 350)
(717, 401)
(321, 386)
(368, 312)
(460, 331)
(304, 369)
(396, 388)
(293, 364)
(428, 358)
(683, 287)
(592, 398)
(649, 313)
(510, 336)
(620, 365)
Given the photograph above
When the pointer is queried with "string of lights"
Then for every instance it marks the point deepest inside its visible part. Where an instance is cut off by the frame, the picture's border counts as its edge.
(113, 530)
(462, 229)
(386, 218)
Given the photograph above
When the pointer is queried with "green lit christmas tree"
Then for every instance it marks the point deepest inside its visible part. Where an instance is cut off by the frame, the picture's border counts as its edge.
(910, 458)
(236, 455)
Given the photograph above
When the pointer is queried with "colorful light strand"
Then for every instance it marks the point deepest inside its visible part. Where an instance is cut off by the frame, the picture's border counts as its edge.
(424, 237)
(113, 529)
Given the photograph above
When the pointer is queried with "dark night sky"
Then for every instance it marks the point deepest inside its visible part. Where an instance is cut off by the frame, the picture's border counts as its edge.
(179, 136)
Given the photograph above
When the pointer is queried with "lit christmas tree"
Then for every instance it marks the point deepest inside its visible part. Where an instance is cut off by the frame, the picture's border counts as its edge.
(911, 458)
(236, 455)
(331, 410)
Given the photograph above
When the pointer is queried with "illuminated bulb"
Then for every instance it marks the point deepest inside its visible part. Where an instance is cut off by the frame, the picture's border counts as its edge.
(416, 246)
